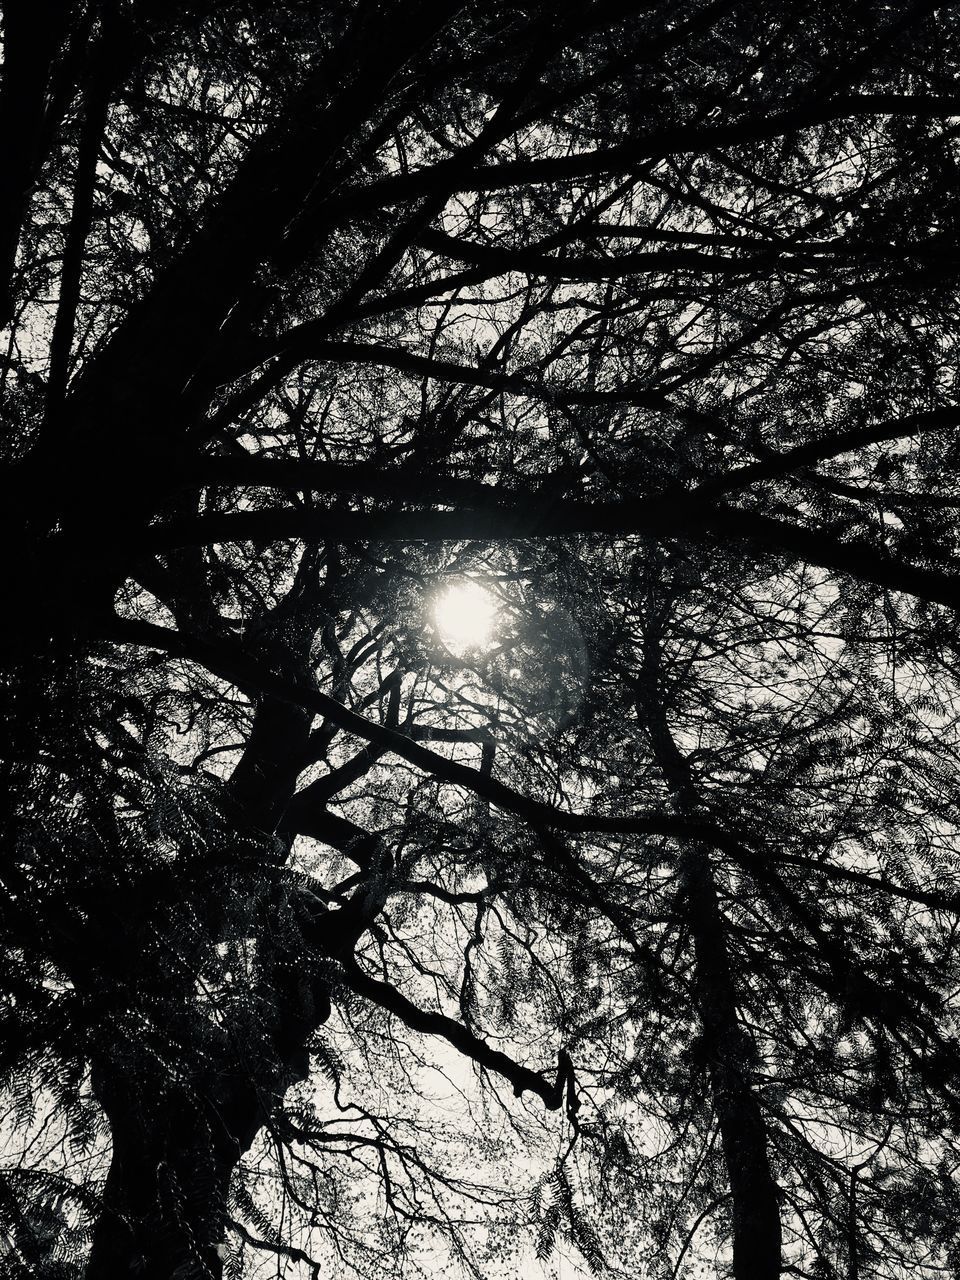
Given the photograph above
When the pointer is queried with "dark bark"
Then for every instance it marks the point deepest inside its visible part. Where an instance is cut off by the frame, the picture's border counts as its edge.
(453, 176)
(33, 33)
(232, 664)
(522, 1078)
(118, 493)
(753, 1191)
(164, 1202)
(276, 751)
(108, 67)
(174, 348)
(727, 1050)
(683, 515)
(185, 1101)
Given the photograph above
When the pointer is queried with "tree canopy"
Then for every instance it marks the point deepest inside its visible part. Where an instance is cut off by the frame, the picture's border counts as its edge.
(480, 708)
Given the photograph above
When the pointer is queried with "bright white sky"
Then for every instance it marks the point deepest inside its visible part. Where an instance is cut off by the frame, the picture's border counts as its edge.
(466, 616)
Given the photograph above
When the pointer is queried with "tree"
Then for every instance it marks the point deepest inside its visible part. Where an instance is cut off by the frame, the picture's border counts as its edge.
(642, 319)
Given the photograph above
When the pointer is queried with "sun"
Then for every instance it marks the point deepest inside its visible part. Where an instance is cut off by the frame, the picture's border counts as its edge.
(465, 615)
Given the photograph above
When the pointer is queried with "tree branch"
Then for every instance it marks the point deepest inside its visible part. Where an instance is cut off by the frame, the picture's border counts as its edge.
(456, 177)
(232, 664)
(681, 516)
(437, 1024)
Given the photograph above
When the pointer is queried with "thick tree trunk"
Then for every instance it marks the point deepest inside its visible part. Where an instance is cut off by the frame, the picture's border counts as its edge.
(186, 1102)
(180, 1127)
(178, 1135)
(165, 1199)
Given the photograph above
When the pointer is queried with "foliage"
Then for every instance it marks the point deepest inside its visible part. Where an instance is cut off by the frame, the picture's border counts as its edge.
(643, 320)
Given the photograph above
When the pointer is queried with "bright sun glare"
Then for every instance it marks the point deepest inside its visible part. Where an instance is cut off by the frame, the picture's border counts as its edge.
(465, 615)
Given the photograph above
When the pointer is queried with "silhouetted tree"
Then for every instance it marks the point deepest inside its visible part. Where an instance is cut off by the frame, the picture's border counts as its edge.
(644, 319)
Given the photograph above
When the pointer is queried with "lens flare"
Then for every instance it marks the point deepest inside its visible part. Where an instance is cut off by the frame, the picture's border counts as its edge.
(465, 615)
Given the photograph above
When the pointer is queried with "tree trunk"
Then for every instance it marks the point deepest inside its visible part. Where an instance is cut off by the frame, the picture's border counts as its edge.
(165, 1199)
(757, 1234)
(756, 1213)
(32, 34)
